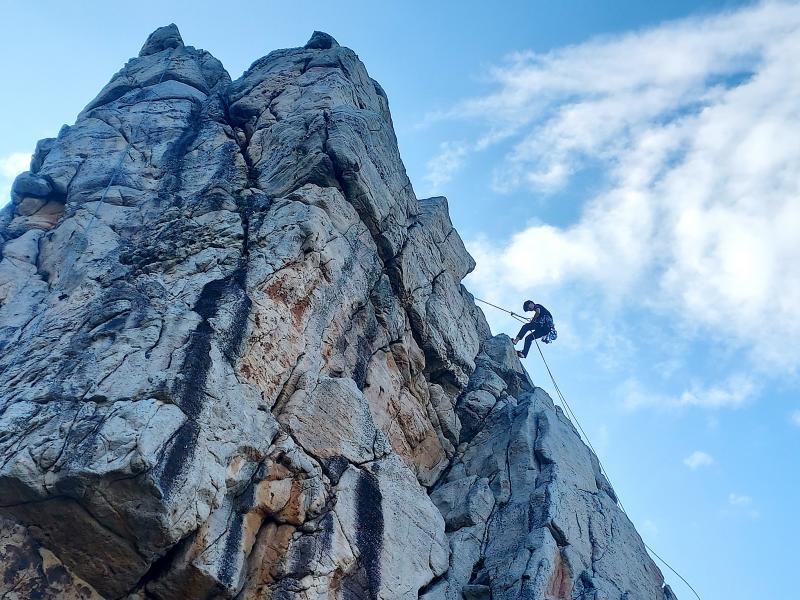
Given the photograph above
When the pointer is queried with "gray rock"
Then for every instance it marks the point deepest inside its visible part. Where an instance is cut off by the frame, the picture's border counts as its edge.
(43, 148)
(31, 571)
(28, 184)
(546, 521)
(321, 41)
(237, 360)
(477, 592)
(162, 39)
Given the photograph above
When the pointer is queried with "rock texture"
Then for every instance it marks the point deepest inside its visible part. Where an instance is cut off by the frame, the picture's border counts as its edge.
(31, 571)
(237, 361)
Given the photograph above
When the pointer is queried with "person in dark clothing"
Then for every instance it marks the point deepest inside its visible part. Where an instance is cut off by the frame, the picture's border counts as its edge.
(540, 327)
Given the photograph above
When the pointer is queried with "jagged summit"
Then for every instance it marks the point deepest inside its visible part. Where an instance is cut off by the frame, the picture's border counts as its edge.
(321, 41)
(237, 361)
(161, 39)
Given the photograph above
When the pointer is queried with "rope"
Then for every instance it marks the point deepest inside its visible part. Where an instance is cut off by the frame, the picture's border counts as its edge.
(571, 415)
(513, 314)
(568, 407)
(124, 153)
(654, 553)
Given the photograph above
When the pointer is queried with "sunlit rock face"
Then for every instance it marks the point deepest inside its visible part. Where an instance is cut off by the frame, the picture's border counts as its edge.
(237, 360)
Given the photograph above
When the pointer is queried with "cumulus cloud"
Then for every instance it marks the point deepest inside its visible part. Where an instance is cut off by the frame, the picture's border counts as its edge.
(694, 127)
(11, 165)
(698, 459)
(732, 393)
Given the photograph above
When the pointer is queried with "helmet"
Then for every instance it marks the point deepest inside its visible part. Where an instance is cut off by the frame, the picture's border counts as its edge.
(527, 303)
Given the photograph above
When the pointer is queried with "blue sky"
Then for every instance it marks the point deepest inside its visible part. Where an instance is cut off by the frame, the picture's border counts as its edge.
(634, 166)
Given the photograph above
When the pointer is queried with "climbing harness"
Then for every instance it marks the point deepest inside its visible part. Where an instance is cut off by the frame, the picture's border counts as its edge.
(551, 336)
(571, 415)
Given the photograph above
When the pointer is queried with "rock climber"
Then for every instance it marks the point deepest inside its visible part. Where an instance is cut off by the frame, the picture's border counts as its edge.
(540, 327)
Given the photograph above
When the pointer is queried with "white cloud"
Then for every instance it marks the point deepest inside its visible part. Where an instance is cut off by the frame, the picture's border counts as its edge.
(11, 165)
(733, 393)
(698, 459)
(739, 500)
(694, 125)
(443, 166)
(740, 505)
(796, 417)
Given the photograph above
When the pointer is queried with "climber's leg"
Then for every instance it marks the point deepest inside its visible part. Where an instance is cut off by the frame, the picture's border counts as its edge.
(539, 330)
(527, 346)
(523, 330)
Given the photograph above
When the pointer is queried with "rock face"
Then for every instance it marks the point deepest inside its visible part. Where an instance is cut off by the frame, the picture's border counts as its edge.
(237, 360)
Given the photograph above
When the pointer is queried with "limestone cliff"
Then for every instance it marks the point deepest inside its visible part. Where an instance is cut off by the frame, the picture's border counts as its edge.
(237, 361)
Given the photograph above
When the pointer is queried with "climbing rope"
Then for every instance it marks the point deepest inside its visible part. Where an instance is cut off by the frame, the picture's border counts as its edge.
(128, 146)
(513, 314)
(654, 553)
(571, 415)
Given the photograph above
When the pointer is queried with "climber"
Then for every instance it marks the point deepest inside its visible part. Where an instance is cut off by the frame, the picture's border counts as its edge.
(540, 327)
